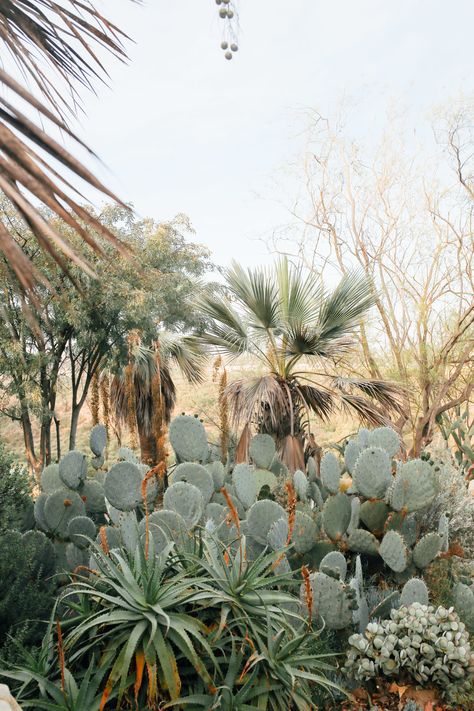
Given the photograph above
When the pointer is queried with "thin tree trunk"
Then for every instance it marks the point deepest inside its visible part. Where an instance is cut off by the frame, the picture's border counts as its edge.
(57, 424)
(75, 412)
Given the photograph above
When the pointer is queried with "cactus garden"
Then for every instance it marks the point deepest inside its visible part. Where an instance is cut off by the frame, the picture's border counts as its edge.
(236, 356)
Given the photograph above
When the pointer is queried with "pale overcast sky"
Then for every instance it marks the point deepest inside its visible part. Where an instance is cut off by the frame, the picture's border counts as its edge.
(183, 130)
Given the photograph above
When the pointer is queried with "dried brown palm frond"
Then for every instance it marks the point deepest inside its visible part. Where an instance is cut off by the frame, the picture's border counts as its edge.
(56, 44)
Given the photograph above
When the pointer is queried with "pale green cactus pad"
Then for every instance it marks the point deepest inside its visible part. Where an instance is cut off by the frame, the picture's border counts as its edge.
(331, 472)
(362, 541)
(336, 516)
(414, 590)
(427, 549)
(245, 484)
(261, 516)
(372, 472)
(98, 439)
(186, 499)
(73, 469)
(123, 486)
(262, 450)
(80, 529)
(59, 508)
(197, 475)
(188, 439)
(394, 551)
(386, 438)
(50, 479)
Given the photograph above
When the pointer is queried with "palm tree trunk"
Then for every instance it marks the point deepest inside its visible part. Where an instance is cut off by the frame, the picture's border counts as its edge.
(148, 452)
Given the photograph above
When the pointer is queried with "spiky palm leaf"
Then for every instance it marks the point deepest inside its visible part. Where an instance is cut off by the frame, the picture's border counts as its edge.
(300, 333)
(56, 44)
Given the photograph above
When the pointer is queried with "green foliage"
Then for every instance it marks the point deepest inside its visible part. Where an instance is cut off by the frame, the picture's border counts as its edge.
(27, 589)
(15, 492)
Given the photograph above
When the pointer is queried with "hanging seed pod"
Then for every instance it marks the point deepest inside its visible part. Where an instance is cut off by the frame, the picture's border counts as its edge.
(223, 13)
(228, 55)
(230, 14)
(224, 45)
(218, 2)
(234, 47)
(226, 2)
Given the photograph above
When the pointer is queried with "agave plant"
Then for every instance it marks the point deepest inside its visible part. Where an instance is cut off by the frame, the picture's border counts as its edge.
(171, 349)
(300, 336)
(138, 623)
(57, 45)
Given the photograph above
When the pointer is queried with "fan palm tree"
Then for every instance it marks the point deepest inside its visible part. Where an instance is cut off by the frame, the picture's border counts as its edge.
(300, 335)
(57, 45)
(172, 349)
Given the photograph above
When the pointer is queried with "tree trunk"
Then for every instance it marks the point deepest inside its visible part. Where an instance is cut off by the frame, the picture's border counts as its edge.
(57, 424)
(147, 448)
(75, 412)
(29, 444)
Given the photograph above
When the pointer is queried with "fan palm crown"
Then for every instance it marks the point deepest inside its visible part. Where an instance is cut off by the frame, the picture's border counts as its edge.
(300, 334)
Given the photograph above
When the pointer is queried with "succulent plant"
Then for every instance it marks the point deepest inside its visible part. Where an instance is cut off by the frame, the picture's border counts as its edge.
(73, 469)
(414, 590)
(334, 561)
(301, 484)
(98, 439)
(331, 600)
(330, 472)
(186, 499)
(50, 479)
(430, 645)
(245, 483)
(262, 450)
(336, 516)
(351, 454)
(261, 515)
(372, 472)
(123, 486)
(464, 602)
(188, 439)
(79, 529)
(197, 475)
(415, 486)
(384, 437)
(60, 507)
(427, 549)
(394, 551)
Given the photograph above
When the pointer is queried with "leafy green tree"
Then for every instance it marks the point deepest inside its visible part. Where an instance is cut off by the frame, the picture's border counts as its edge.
(76, 330)
(302, 337)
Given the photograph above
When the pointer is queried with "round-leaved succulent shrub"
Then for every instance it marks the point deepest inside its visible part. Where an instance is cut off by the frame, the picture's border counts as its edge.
(418, 642)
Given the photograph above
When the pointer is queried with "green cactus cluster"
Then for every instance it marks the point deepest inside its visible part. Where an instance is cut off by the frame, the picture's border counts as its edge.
(361, 511)
(429, 645)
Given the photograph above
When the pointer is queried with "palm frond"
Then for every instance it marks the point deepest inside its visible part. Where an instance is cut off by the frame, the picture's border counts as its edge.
(227, 331)
(366, 410)
(248, 397)
(345, 306)
(299, 295)
(186, 353)
(319, 401)
(388, 394)
(50, 40)
(256, 291)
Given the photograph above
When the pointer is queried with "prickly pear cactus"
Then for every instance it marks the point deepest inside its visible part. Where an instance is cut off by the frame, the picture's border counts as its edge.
(188, 439)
